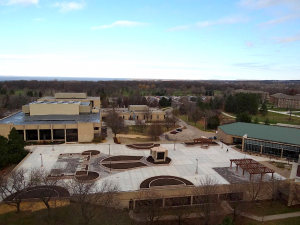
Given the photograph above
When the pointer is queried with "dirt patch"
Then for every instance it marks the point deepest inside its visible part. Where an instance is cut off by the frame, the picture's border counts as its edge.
(142, 146)
(122, 158)
(123, 166)
(92, 152)
(283, 172)
(151, 160)
(89, 177)
(164, 179)
(165, 182)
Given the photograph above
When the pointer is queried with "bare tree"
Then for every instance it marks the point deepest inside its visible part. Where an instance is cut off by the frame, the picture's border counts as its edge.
(147, 113)
(173, 116)
(180, 207)
(140, 125)
(273, 188)
(115, 122)
(46, 189)
(205, 195)
(155, 130)
(13, 187)
(92, 199)
(235, 199)
(255, 189)
(148, 206)
(195, 114)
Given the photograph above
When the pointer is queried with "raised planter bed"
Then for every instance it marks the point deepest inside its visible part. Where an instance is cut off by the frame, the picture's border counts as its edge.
(165, 181)
(151, 160)
(91, 152)
(143, 146)
(91, 176)
(122, 158)
(123, 166)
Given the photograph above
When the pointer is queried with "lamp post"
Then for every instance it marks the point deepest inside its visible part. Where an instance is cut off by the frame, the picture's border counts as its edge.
(41, 160)
(109, 158)
(196, 167)
(174, 144)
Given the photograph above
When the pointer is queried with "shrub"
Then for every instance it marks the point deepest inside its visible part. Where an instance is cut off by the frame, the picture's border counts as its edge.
(97, 139)
(280, 165)
(239, 146)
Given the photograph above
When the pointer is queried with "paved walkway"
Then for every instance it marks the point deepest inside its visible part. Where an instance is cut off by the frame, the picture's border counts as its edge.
(110, 137)
(274, 217)
(233, 117)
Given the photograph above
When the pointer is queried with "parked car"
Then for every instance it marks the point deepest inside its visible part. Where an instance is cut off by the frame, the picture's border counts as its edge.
(178, 129)
(173, 132)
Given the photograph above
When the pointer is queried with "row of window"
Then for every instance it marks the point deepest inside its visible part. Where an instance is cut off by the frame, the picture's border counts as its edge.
(274, 149)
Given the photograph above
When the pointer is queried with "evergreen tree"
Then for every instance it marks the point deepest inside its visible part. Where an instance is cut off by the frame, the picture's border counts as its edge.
(243, 117)
(267, 121)
(229, 104)
(3, 151)
(213, 122)
(16, 146)
(264, 109)
(40, 94)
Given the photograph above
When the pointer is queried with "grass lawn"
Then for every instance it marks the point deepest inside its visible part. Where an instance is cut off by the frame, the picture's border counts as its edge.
(277, 208)
(279, 109)
(277, 118)
(198, 125)
(19, 92)
(274, 118)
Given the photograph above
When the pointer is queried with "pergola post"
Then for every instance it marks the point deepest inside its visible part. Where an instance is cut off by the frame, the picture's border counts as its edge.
(261, 147)
(230, 164)
(237, 168)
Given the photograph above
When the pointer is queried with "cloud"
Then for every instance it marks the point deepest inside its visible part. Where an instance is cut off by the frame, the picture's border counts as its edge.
(280, 20)
(22, 2)
(179, 28)
(39, 20)
(68, 6)
(121, 23)
(254, 65)
(223, 21)
(260, 4)
(249, 44)
(294, 38)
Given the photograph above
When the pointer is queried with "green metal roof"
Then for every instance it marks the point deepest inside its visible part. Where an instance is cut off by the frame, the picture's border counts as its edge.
(263, 132)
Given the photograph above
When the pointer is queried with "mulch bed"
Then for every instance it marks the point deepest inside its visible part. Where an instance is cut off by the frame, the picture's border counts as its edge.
(143, 146)
(122, 158)
(165, 182)
(36, 192)
(93, 152)
(151, 160)
(199, 143)
(122, 166)
(146, 183)
(81, 173)
(90, 176)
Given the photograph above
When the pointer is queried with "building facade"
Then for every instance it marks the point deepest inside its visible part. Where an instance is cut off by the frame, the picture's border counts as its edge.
(276, 141)
(285, 101)
(138, 112)
(48, 121)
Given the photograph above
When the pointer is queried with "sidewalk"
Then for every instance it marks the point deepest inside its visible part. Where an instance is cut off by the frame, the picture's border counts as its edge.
(274, 217)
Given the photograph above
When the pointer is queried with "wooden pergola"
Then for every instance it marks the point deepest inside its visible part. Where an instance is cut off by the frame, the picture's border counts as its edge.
(203, 140)
(251, 166)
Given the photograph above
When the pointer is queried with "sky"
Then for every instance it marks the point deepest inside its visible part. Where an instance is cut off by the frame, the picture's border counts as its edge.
(151, 39)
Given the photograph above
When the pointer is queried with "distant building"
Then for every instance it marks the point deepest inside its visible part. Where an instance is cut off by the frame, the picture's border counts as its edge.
(72, 118)
(263, 95)
(270, 140)
(138, 112)
(285, 101)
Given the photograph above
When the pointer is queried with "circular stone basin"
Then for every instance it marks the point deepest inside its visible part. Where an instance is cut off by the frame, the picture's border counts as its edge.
(92, 152)
(165, 182)
(89, 177)
(37, 192)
